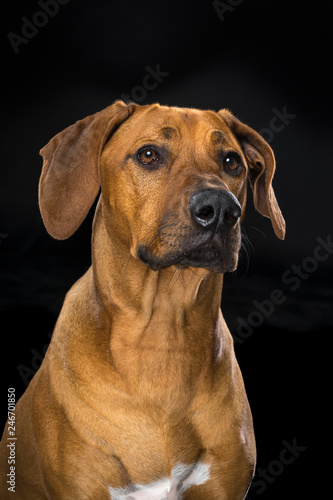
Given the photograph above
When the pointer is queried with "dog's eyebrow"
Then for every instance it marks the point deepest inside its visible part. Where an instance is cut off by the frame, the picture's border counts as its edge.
(218, 137)
(167, 132)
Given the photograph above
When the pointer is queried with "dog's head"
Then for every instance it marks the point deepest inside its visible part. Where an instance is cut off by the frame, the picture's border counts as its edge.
(173, 181)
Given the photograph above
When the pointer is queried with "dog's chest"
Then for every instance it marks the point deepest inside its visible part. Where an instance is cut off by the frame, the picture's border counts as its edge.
(182, 477)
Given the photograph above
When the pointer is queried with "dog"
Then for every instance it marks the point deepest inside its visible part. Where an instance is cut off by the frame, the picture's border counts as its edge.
(140, 395)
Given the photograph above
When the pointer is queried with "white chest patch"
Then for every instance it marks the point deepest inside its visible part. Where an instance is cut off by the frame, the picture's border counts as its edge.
(182, 477)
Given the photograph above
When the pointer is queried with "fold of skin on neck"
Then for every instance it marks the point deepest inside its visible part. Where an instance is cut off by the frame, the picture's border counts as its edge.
(166, 326)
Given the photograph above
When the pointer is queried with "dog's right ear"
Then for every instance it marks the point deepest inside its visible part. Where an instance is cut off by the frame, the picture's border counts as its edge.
(261, 162)
(70, 178)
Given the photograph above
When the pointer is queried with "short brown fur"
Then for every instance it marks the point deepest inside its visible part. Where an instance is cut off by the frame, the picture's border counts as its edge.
(140, 374)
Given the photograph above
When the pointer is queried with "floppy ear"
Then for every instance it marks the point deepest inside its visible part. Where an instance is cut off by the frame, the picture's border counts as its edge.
(70, 178)
(261, 162)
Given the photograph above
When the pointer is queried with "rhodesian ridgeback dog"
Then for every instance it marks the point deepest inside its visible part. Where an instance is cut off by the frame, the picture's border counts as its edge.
(140, 395)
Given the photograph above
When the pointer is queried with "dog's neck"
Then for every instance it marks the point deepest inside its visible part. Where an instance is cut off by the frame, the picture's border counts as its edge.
(165, 330)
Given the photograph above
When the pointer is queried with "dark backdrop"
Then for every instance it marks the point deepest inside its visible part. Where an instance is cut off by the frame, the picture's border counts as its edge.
(269, 62)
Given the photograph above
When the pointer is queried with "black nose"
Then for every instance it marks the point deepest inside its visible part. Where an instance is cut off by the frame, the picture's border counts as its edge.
(214, 209)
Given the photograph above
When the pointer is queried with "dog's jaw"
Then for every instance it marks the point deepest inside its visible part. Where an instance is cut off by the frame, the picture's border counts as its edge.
(218, 254)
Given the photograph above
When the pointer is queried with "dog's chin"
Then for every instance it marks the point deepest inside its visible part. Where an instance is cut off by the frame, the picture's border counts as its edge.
(210, 256)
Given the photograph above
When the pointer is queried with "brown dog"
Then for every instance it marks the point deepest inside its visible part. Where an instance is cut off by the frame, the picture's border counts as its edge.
(140, 395)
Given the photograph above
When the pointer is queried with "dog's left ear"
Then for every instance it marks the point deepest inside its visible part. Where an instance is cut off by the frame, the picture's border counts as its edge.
(261, 162)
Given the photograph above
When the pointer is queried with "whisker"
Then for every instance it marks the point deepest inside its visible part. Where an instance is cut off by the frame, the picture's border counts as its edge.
(246, 247)
(259, 231)
(192, 271)
(179, 275)
(172, 277)
(124, 271)
(247, 239)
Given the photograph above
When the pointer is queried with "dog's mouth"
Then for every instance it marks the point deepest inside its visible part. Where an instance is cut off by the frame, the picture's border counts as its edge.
(216, 255)
(205, 256)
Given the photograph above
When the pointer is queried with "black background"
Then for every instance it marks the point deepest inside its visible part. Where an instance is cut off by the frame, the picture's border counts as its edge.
(256, 58)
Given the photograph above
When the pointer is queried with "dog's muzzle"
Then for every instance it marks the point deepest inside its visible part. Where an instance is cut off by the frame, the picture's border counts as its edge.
(212, 242)
(215, 214)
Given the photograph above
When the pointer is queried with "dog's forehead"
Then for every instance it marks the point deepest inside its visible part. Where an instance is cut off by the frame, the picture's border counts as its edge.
(170, 122)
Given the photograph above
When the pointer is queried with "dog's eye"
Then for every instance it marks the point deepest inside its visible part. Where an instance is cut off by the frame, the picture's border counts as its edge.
(232, 163)
(148, 156)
